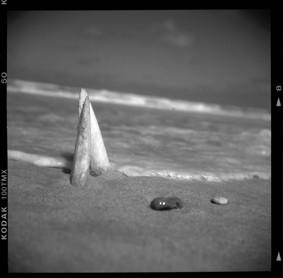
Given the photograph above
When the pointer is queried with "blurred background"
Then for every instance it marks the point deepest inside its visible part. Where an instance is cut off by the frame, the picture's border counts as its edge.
(212, 56)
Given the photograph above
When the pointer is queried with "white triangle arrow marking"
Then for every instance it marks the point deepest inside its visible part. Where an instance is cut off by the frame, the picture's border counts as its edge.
(278, 102)
(278, 257)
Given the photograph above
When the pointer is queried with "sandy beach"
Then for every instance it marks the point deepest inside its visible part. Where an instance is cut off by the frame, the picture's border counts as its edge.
(109, 226)
(177, 111)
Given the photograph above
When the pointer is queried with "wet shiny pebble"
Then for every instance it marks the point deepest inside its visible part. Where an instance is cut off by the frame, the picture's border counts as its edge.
(162, 203)
(219, 200)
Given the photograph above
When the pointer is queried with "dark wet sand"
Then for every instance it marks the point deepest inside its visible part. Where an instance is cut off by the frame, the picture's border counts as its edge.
(109, 226)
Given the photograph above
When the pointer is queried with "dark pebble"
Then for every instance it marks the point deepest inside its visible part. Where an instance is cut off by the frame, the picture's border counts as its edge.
(162, 203)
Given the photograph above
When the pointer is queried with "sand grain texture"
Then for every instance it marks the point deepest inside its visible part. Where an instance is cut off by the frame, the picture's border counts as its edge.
(109, 226)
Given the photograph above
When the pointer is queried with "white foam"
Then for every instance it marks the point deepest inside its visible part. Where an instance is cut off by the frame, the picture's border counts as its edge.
(134, 171)
(39, 160)
(107, 96)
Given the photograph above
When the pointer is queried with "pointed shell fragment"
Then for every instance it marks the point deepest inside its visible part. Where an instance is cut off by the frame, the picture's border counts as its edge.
(81, 160)
(99, 161)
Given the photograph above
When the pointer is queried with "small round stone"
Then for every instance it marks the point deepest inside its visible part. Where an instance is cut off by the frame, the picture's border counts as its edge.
(219, 200)
(162, 203)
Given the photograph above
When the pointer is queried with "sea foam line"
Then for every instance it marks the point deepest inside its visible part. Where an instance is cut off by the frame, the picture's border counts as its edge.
(204, 176)
(133, 171)
(52, 90)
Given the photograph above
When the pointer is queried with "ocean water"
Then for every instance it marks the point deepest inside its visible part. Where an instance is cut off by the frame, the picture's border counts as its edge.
(144, 136)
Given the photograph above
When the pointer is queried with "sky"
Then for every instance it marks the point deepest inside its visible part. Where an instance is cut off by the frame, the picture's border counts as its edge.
(213, 56)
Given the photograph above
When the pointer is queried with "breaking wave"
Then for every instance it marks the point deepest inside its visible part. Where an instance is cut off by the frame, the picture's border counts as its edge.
(53, 90)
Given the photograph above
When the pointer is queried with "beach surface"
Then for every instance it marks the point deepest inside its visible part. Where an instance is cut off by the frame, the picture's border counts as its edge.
(109, 226)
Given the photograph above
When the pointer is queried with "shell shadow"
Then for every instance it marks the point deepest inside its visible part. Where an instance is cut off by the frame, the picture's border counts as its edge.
(69, 157)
